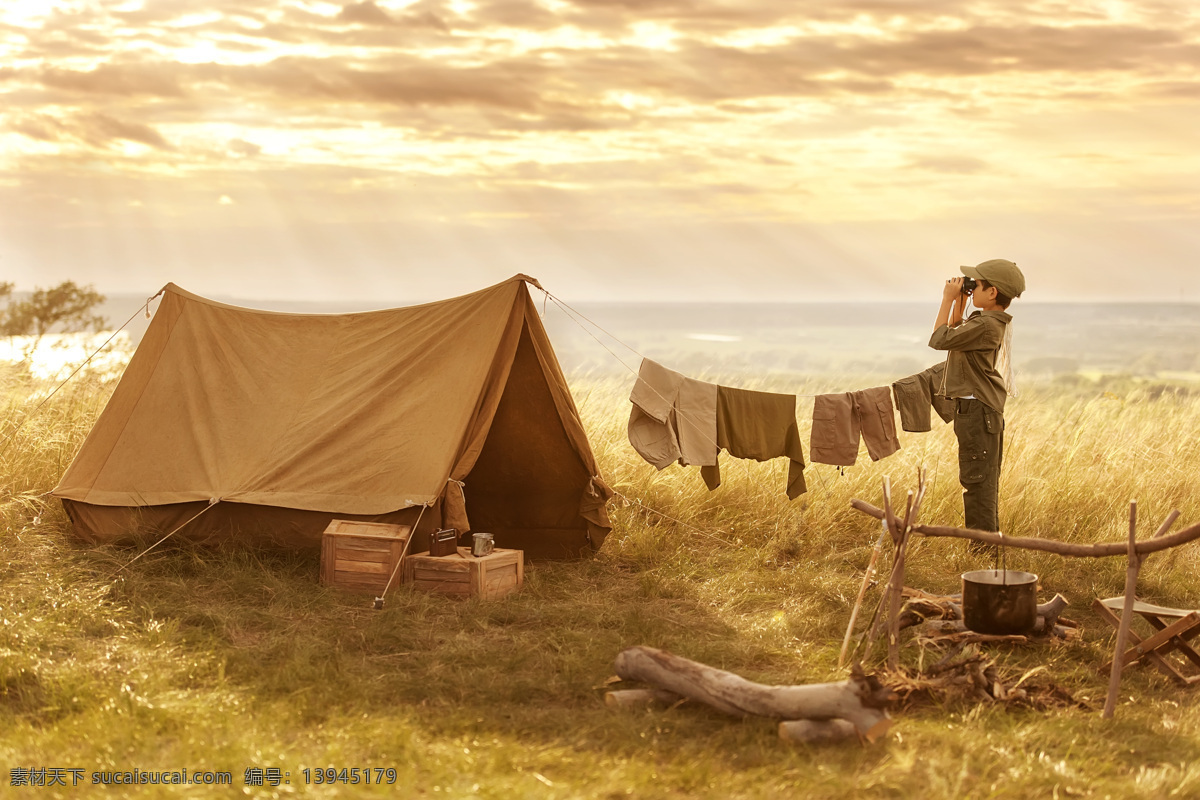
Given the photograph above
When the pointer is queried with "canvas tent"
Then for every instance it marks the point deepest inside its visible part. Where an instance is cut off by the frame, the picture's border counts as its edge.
(273, 424)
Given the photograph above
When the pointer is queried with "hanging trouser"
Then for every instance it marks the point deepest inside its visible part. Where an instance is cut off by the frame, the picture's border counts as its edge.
(980, 432)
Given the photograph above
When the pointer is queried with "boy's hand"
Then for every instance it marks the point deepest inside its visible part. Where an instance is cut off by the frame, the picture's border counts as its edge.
(953, 289)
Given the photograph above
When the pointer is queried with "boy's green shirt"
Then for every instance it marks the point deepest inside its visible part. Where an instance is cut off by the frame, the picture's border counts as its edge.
(971, 361)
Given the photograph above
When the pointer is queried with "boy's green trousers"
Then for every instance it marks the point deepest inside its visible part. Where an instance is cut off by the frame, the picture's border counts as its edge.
(980, 432)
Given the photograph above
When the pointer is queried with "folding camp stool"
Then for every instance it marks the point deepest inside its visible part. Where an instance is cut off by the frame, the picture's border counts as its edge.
(1175, 628)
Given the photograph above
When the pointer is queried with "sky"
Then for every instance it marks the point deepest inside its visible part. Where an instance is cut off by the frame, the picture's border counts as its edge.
(393, 151)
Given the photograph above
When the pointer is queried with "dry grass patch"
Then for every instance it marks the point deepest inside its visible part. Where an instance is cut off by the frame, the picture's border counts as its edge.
(229, 659)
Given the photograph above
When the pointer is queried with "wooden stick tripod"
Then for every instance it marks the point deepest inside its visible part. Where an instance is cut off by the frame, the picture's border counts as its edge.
(900, 532)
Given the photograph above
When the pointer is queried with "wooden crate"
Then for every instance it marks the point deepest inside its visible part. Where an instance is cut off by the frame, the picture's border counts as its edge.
(361, 555)
(490, 577)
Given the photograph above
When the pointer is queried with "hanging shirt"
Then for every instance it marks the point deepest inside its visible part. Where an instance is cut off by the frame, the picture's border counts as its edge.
(916, 394)
(971, 360)
(761, 426)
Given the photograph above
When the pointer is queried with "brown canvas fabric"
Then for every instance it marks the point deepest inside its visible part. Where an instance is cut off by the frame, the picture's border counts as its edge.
(917, 394)
(229, 523)
(358, 414)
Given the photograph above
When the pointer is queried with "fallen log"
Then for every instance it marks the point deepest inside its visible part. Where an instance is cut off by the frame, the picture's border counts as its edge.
(813, 731)
(860, 700)
(636, 698)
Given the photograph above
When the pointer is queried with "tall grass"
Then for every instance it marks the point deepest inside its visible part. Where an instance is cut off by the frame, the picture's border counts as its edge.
(234, 658)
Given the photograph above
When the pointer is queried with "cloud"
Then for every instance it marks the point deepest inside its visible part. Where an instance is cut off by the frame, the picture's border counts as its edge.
(241, 147)
(146, 79)
(93, 128)
(365, 13)
(101, 129)
(1184, 90)
(41, 127)
(368, 13)
(955, 165)
(161, 12)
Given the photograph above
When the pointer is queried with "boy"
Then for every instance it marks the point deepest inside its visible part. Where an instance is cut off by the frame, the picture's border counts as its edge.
(973, 381)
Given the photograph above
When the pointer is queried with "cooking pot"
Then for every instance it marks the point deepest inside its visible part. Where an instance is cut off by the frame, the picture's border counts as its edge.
(999, 601)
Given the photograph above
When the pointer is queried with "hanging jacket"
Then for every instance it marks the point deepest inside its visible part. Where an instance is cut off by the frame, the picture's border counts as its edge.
(674, 418)
(916, 394)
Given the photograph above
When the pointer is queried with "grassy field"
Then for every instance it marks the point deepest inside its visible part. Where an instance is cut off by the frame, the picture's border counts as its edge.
(229, 660)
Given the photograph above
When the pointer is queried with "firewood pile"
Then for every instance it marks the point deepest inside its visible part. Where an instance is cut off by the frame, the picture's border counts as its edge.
(968, 676)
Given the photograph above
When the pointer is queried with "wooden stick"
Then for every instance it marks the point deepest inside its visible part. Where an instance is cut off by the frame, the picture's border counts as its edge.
(828, 731)
(1102, 550)
(809, 731)
(1167, 523)
(893, 593)
(896, 588)
(887, 508)
(890, 523)
(920, 495)
(862, 593)
(1131, 573)
(1050, 610)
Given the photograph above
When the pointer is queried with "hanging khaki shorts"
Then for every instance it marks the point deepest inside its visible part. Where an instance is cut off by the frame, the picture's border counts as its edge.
(839, 419)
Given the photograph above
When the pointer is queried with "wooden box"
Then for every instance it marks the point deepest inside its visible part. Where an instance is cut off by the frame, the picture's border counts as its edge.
(361, 555)
(490, 577)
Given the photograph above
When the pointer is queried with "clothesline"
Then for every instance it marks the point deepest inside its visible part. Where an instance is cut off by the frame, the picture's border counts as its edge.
(575, 316)
(840, 419)
(12, 436)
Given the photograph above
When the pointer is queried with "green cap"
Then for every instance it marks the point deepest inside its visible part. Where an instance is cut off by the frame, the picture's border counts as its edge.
(999, 272)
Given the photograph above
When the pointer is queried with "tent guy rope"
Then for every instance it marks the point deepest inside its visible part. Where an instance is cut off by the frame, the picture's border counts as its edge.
(575, 315)
(399, 561)
(212, 502)
(700, 531)
(77, 370)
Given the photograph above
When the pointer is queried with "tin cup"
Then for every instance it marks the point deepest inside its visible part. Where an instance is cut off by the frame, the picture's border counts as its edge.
(482, 544)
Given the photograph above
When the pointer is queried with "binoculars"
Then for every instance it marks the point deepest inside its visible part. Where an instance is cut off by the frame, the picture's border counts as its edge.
(969, 285)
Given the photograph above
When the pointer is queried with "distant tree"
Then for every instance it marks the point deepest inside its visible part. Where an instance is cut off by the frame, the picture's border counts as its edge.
(69, 307)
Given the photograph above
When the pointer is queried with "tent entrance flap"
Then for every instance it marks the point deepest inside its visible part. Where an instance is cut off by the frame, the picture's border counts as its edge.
(525, 486)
